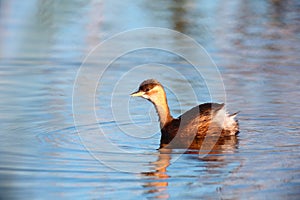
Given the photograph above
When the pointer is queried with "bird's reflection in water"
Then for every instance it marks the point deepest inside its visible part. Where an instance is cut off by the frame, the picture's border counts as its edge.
(158, 177)
(211, 151)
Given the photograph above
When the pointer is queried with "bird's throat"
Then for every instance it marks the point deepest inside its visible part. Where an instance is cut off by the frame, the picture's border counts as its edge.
(163, 112)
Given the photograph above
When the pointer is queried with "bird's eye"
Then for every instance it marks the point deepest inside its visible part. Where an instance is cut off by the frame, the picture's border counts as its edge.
(147, 90)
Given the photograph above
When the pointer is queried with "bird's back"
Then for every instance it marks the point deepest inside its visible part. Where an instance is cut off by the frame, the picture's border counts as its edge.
(198, 122)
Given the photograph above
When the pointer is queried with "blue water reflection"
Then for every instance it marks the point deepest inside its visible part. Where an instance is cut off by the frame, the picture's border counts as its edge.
(42, 45)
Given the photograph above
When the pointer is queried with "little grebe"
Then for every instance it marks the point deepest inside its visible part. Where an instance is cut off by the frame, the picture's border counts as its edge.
(208, 119)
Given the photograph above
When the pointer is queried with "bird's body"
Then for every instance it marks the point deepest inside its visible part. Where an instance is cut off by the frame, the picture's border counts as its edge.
(208, 119)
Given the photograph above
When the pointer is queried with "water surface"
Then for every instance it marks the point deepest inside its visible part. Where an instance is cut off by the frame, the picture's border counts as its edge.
(43, 44)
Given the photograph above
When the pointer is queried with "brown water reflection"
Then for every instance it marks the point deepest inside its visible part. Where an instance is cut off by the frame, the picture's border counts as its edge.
(215, 157)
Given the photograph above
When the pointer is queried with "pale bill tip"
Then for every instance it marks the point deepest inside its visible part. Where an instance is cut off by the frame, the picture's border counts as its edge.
(137, 94)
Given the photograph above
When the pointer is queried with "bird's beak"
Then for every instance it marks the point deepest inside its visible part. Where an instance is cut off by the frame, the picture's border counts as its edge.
(137, 94)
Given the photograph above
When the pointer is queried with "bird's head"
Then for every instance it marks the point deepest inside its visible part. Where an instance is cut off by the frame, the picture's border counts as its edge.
(151, 90)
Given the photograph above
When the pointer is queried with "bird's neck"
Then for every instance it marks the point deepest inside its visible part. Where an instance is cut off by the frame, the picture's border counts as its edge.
(162, 109)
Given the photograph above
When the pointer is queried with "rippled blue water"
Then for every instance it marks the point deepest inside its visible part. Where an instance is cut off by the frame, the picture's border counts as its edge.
(255, 45)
